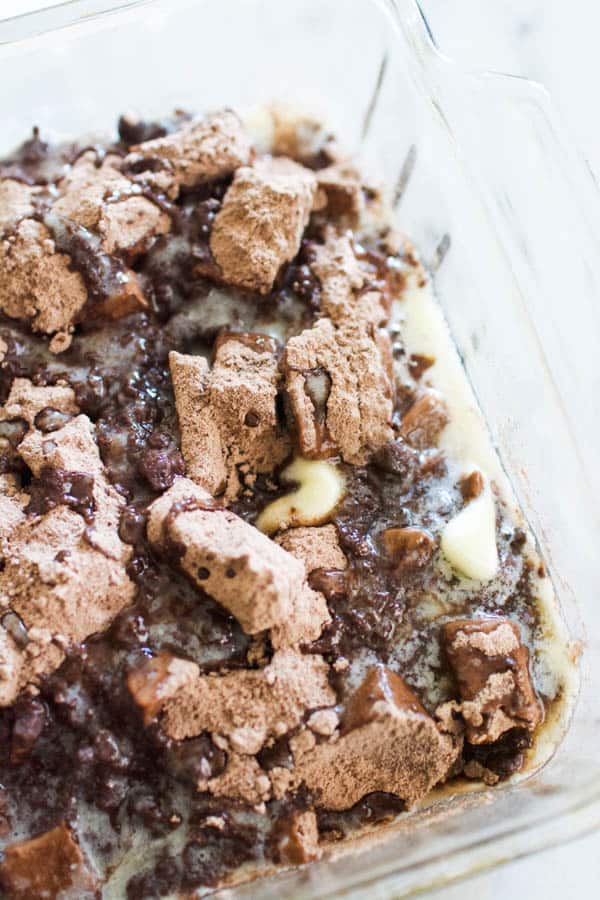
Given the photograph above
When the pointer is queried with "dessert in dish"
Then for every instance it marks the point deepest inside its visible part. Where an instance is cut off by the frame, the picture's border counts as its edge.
(264, 586)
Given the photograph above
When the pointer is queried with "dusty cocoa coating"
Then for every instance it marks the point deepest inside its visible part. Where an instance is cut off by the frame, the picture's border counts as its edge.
(13, 501)
(62, 575)
(261, 584)
(380, 685)
(103, 200)
(36, 282)
(227, 414)
(259, 226)
(16, 203)
(46, 866)
(342, 184)
(491, 666)
(73, 448)
(389, 744)
(339, 272)
(425, 420)
(248, 707)
(318, 547)
(242, 779)
(200, 436)
(205, 149)
(358, 408)
(26, 400)
(161, 677)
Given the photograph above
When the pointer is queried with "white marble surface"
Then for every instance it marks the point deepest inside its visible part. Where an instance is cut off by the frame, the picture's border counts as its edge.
(555, 42)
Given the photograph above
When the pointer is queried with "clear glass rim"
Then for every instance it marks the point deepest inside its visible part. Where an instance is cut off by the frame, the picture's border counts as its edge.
(583, 815)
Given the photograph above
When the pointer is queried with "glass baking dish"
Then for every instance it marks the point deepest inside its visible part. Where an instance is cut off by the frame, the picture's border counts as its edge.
(507, 217)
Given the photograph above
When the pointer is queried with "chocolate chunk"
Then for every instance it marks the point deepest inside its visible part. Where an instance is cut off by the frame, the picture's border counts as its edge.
(260, 224)
(255, 579)
(157, 680)
(380, 685)
(409, 548)
(422, 425)
(398, 458)
(359, 404)
(471, 485)
(297, 838)
(491, 668)
(387, 743)
(203, 150)
(45, 867)
(227, 415)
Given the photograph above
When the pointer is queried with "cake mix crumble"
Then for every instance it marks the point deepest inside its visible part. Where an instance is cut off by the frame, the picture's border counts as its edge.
(252, 601)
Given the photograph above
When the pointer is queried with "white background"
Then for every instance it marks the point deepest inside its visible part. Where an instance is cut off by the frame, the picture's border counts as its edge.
(555, 42)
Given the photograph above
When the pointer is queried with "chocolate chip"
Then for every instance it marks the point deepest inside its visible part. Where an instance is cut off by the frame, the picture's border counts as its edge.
(50, 419)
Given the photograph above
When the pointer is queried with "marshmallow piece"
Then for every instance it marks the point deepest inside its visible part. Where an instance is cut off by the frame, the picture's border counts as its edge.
(260, 224)
(12, 508)
(248, 707)
(242, 779)
(250, 575)
(36, 282)
(339, 388)
(16, 203)
(320, 488)
(342, 185)
(26, 400)
(469, 539)
(63, 575)
(227, 415)
(317, 547)
(387, 743)
(205, 149)
(49, 865)
(103, 200)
